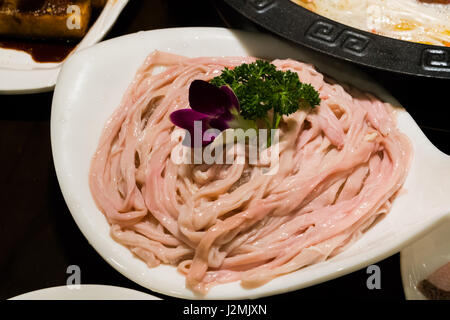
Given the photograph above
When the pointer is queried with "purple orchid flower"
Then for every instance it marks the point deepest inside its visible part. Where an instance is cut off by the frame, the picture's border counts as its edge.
(214, 108)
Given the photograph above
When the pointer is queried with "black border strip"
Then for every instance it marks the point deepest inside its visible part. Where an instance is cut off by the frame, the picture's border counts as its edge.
(307, 28)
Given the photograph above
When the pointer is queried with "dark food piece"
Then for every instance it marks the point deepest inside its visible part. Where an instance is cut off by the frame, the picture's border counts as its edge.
(437, 286)
(436, 1)
(43, 19)
(430, 291)
(101, 3)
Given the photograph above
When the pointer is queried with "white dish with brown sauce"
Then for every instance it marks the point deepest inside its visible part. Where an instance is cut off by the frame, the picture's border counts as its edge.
(21, 74)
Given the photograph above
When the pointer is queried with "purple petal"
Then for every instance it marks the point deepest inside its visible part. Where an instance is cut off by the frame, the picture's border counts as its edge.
(186, 119)
(219, 123)
(207, 98)
(231, 97)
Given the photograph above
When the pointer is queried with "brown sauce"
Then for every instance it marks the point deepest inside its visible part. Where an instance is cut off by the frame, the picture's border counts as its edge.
(43, 51)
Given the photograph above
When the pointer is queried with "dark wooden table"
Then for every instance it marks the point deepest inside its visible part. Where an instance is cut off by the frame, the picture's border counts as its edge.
(38, 237)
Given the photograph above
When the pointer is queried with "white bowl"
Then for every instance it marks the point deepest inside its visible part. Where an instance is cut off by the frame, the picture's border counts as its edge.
(20, 74)
(85, 292)
(420, 259)
(90, 87)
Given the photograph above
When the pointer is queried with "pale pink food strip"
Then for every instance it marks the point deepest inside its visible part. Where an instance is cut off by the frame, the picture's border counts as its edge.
(341, 166)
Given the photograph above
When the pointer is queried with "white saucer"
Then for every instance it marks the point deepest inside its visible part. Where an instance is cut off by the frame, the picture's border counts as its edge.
(423, 257)
(86, 292)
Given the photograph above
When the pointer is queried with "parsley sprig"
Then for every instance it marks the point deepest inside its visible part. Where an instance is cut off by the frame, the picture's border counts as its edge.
(260, 87)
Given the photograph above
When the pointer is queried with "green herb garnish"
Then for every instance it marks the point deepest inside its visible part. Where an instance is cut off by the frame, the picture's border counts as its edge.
(260, 87)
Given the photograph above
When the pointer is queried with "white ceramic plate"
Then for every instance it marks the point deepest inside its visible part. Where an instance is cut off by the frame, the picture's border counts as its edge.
(422, 258)
(90, 87)
(86, 292)
(20, 74)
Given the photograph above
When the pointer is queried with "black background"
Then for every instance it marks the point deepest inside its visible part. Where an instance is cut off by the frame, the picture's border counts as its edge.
(38, 237)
